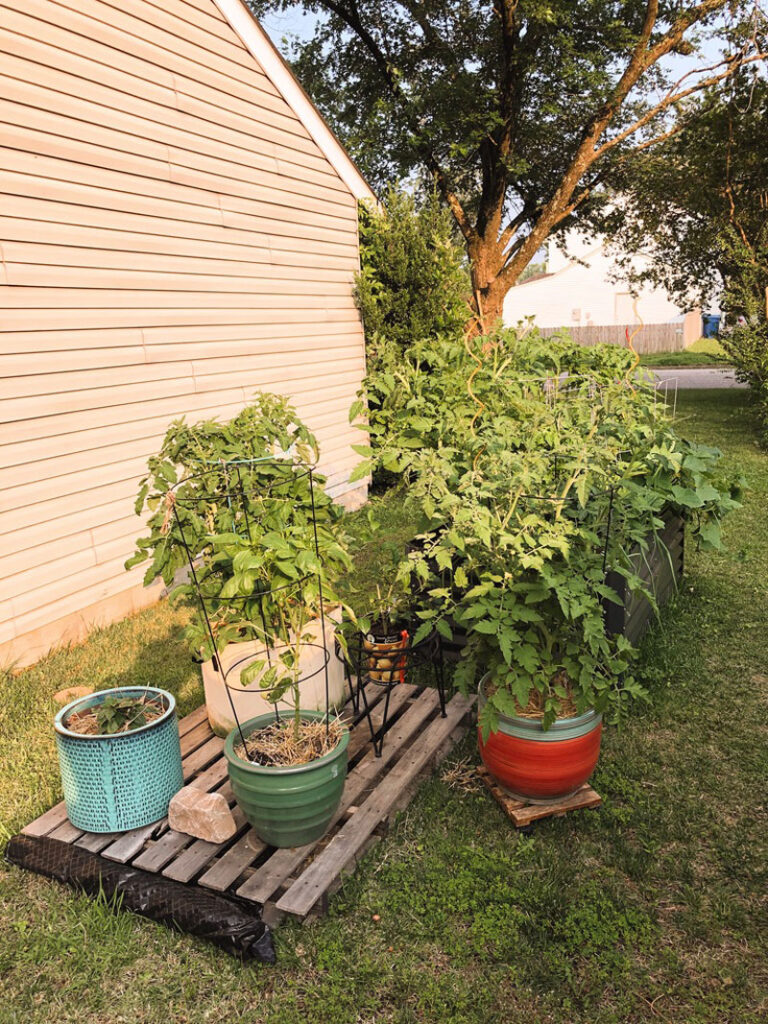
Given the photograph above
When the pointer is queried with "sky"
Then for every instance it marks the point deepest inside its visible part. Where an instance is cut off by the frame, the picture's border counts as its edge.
(289, 23)
(297, 22)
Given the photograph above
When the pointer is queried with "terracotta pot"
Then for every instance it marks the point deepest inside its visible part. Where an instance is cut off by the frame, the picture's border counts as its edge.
(539, 765)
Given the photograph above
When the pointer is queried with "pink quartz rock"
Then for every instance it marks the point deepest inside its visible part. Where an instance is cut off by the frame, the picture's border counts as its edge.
(202, 815)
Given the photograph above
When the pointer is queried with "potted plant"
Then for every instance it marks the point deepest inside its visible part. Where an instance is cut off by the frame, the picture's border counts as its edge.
(287, 767)
(385, 632)
(525, 496)
(376, 635)
(218, 494)
(120, 758)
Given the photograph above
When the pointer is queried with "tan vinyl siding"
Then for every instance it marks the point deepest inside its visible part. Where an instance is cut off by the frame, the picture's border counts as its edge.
(172, 239)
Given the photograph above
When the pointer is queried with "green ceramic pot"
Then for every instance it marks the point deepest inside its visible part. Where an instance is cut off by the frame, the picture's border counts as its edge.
(287, 807)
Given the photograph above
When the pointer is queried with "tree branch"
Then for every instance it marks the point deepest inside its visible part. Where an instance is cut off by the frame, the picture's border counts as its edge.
(351, 17)
(509, 230)
(451, 199)
(733, 64)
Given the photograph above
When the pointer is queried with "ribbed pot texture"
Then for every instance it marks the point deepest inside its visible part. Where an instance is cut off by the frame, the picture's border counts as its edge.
(119, 781)
(287, 807)
(542, 765)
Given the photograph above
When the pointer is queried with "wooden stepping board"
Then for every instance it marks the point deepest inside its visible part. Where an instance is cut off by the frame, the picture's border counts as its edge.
(523, 813)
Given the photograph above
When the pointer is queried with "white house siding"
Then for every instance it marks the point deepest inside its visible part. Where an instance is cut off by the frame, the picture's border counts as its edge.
(172, 239)
(582, 294)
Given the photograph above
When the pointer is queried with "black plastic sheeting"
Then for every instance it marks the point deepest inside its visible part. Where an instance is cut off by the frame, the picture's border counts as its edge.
(231, 924)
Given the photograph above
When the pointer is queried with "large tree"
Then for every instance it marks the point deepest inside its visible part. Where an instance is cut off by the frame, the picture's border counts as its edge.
(517, 109)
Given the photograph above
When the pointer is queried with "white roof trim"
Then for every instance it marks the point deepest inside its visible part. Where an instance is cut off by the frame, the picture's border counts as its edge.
(260, 46)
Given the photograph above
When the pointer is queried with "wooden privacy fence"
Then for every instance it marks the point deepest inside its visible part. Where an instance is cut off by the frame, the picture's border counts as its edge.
(668, 337)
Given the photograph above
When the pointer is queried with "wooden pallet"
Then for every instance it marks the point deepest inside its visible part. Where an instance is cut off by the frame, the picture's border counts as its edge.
(522, 813)
(296, 882)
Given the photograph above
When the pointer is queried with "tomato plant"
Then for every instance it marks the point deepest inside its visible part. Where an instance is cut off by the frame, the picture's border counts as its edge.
(533, 465)
(238, 499)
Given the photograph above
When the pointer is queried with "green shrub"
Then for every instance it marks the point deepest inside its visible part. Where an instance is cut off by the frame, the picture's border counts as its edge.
(413, 283)
(744, 301)
(747, 345)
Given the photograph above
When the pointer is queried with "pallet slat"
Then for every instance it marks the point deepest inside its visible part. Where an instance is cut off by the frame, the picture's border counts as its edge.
(228, 868)
(282, 864)
(195, 857)
(307, 890)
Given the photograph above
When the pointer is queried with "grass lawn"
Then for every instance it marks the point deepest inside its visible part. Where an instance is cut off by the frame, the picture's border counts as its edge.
(652, 908)
(704, 352)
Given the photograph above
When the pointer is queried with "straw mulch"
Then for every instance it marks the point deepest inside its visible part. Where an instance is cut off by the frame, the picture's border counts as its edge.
(276, 746)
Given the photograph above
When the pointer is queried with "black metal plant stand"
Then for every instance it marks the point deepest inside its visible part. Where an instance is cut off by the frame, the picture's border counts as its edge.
(387, 663)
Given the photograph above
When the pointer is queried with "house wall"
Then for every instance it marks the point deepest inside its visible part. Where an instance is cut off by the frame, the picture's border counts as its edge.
(171, 240)
(578, 295)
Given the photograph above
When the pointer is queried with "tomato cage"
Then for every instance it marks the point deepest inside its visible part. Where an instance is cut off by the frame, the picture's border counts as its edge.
(264, 618)
(560, 387)
(651, 553)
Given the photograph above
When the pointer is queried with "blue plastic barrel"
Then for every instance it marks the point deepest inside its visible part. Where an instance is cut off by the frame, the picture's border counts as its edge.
(710, 325)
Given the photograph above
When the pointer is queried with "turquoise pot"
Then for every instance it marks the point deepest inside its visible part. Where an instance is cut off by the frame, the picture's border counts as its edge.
(120, 781)
(287, 807)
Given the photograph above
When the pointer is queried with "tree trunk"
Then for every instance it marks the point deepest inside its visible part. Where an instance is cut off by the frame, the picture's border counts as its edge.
(488, 289)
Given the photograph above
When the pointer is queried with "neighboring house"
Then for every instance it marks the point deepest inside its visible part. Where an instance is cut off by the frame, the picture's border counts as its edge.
(577, 292)
(178, 230)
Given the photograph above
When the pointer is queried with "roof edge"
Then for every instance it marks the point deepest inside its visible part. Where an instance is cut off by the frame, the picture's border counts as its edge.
(263, 50)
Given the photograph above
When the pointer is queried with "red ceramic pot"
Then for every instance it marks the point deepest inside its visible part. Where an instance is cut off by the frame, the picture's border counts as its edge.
(541, 765)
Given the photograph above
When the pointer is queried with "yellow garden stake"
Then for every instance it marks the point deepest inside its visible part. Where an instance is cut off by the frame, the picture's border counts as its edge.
(631, 337)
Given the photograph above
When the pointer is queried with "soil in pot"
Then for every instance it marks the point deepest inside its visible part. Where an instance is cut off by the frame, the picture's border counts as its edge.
(276, 745)
(116, 715)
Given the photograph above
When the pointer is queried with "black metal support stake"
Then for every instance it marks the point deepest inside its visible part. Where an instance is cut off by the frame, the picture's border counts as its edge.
(608, 529)
(440, 675)
(367, 712)
(320, 598)
(215, 659)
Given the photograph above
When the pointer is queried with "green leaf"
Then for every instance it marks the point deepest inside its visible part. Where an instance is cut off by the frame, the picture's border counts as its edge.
(362, 470)
(137, 559)
(444, 629)
(422, 632)
(527, 656)
(687, 497)
(710, 536)
(486, 627)
(362, 449)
